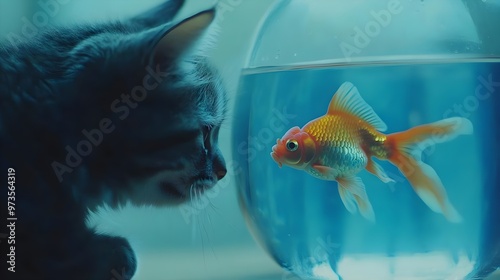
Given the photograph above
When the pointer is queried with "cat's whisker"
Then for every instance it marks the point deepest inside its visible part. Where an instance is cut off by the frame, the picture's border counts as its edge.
(200, 223)
(212, 208)
(207, 235)
(198, 199)
(209, 203)
(217, 211)
(206, 216)
(215, 208)
(211, 226)
(191, 194)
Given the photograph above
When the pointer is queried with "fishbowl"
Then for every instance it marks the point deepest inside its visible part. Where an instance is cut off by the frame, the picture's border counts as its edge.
(413, 62)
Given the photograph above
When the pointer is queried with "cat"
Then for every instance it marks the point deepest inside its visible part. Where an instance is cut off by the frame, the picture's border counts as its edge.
(104, 114)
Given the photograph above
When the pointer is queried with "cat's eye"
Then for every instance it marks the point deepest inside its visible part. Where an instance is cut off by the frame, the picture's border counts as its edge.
(206, 136)
(172, 140)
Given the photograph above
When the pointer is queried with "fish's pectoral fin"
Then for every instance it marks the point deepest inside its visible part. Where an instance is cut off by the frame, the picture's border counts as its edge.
(348, 199)
(324, 170)
(378, 171)
(347, 99)
(357, 191)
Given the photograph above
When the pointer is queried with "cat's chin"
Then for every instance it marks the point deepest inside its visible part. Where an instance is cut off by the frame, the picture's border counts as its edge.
(182, 192)
(170, 190)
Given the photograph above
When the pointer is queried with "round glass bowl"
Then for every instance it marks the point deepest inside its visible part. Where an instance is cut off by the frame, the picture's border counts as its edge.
(414, 62)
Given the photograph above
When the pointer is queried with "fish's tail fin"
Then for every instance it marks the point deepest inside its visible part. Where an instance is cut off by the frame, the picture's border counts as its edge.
(405, 153)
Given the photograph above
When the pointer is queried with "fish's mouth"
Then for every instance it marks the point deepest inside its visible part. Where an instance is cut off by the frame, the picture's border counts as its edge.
(275, 156)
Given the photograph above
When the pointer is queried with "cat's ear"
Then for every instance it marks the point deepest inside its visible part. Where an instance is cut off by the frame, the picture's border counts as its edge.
(158, 15)
(181, 37)
(172, 41)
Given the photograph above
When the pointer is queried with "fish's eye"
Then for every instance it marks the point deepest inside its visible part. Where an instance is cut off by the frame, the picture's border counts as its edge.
(292, 145)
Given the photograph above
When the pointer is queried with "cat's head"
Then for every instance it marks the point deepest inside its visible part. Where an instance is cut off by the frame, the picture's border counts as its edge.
(149, 107)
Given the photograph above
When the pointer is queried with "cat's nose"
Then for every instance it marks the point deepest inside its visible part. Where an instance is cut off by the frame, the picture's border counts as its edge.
(219, 165)
(221, 173)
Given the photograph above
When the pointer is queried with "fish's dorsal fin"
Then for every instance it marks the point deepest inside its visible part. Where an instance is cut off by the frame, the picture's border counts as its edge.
(347, 99)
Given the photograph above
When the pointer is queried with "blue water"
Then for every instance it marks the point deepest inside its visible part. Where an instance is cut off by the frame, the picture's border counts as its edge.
(300, 220)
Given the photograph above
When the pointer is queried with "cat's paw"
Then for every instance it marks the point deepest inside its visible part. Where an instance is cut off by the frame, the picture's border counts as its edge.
(117, 253)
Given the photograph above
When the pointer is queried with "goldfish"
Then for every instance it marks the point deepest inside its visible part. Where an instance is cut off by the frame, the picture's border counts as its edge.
(344, 141)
